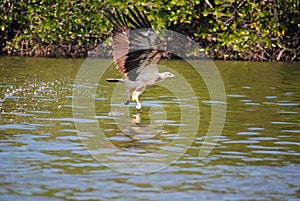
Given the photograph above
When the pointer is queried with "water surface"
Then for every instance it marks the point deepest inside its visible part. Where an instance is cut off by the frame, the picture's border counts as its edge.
(257, 157)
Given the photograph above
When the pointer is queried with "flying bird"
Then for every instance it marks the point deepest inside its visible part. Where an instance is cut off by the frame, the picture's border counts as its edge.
(137, 51)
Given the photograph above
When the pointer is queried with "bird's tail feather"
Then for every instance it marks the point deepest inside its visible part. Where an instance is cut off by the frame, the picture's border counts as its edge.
(114, 80)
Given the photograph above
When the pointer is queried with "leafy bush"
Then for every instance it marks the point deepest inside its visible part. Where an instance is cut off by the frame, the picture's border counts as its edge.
(236, 29)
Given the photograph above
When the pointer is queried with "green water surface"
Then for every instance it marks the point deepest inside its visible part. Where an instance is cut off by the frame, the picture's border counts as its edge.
(257, 156)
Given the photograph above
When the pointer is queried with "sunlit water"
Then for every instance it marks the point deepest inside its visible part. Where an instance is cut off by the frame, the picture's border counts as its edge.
(257, 157)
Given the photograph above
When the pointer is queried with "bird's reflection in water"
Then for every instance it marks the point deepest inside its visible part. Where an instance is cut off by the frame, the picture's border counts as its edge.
(138, 130)
(135, 129)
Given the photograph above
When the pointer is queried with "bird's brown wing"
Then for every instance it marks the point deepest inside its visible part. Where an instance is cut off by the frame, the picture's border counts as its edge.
(134, 47)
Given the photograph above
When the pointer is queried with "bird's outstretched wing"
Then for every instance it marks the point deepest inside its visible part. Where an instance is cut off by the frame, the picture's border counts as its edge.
(135, 46)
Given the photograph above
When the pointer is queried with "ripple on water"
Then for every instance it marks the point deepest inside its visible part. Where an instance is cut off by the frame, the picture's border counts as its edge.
(268, 103)
(271, 97)
(265, 147)
(246, 101)
(77, 120)
(273, 152)
(287, 143)
(281, 123)
(234, 153)
(248, 133)
(255, 128)
(252, 104)
(263, 138)
(290, 131)
(286, 112)
(68, 131)
(119, 138)
(214, 102)
(39, 112)
(287, 104)
(104, 117)
(24, 115)
(18, 127)
(236, 95)
(241, 142)
(68, 138)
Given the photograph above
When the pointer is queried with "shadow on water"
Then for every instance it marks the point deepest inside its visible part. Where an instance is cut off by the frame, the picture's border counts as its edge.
(42, 158)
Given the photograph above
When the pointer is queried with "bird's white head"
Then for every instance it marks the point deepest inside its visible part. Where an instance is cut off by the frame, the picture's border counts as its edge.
(165, 75)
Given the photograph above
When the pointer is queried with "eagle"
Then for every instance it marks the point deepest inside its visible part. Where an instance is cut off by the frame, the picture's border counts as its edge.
(137, 51)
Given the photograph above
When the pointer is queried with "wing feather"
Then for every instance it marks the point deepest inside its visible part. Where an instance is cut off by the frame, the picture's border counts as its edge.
(135, 47)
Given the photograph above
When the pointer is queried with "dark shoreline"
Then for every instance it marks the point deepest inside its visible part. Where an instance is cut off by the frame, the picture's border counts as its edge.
(97, 48)
(105, 51)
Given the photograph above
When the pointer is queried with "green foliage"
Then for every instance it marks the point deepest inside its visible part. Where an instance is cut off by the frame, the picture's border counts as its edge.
(248, 27)
(234, 29)
(47, 23)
